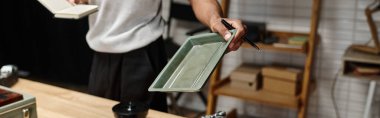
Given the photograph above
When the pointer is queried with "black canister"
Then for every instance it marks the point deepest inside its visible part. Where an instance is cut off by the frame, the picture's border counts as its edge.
(130, 110)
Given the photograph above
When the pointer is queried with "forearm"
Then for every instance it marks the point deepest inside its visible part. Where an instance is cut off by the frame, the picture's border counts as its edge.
(78, 1)
(209, 13)
(206, 11)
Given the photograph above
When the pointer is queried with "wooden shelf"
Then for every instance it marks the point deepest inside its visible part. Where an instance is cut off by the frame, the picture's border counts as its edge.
(267, 47)
(261, 96)
(368, 77)
(220, 86)
(358, 56)
(353, 57)
(281, 36)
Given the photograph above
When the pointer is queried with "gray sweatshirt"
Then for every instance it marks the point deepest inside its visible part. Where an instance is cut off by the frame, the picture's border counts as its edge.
(124, 25)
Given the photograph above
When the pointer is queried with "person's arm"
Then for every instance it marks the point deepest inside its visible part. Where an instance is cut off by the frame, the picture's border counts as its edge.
(78, 1)
(209, 13)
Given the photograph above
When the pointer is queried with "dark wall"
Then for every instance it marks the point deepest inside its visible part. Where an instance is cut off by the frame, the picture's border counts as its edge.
(47, 47)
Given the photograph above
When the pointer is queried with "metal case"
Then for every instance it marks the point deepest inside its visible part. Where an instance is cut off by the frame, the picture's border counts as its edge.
(25, 108)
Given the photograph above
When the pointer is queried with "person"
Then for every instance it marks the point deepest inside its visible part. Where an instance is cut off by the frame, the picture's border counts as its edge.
(126, 36)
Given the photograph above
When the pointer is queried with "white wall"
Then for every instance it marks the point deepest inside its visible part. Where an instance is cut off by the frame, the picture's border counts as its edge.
(342, 23)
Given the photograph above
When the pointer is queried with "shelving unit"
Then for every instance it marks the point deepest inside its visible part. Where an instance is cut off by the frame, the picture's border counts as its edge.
(358, 57)
(284, 35)
(352, 56)
(223, 88)
(220, 86)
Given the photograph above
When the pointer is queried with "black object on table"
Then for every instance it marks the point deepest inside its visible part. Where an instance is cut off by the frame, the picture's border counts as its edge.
(130, 110)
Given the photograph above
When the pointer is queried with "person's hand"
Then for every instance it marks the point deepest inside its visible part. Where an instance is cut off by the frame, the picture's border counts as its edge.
(78, 1)
(217, 26)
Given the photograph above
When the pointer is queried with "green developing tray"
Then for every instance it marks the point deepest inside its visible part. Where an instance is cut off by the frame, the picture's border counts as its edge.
(192, 64)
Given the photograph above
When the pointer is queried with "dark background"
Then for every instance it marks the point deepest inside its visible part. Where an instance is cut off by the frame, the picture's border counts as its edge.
(48, 48)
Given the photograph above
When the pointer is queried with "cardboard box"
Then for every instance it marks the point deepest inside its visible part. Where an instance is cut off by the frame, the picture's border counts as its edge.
(282, 86)
(244, 85)
(24, 108)
(246, 77)
(287, 73)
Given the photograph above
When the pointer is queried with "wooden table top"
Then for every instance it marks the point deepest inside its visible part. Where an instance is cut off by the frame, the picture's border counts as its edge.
(53, 101)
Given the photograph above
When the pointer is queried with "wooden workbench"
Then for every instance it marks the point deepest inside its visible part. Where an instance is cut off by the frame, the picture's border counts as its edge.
(56, 102)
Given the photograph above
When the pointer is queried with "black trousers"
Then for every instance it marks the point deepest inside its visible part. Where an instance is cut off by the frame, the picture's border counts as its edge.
(127, 76)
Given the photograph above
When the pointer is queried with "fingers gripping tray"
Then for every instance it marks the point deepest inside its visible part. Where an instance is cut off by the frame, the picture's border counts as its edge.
(192, 64)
